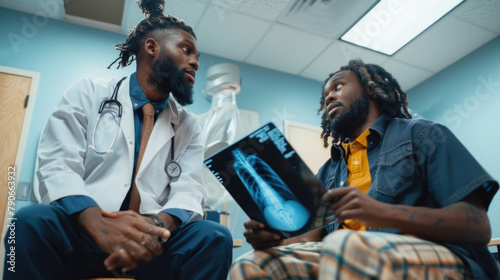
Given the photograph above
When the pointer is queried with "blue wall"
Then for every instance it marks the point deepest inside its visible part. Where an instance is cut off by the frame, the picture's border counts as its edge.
(62, 52)
(466, 98)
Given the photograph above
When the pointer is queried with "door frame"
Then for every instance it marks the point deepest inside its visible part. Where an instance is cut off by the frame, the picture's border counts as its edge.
(35, 79)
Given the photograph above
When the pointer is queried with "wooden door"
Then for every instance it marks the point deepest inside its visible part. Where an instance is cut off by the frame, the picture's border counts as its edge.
(14, 90)
(16, 87)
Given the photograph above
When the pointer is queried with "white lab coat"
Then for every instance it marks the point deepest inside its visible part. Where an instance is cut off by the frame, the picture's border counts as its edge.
(68, 167)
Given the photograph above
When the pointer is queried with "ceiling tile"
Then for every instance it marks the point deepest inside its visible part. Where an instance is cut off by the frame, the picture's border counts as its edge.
(287, 49)
(485, 13)
(50, 9)
(190, 11)
(329, 18)
(407, 76)
(443, 44)
(265, 9)
(337, 55)
(229, 34)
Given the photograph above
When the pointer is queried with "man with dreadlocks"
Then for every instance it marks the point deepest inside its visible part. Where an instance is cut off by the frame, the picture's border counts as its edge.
(410, 201)
(102, 219)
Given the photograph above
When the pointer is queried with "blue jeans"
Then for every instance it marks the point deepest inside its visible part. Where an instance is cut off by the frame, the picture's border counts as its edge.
(50, 245)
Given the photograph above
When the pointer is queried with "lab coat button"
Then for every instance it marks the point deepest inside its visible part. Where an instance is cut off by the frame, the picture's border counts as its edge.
(125, 186)
(130, 142)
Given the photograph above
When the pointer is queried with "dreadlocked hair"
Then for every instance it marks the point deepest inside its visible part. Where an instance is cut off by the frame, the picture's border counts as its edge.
(386, 92)
(155, 20)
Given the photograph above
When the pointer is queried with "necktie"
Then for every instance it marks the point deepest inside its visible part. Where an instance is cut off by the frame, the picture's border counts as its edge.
(147, 127)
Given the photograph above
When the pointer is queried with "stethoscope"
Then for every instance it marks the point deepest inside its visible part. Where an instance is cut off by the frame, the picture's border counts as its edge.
(173, 168)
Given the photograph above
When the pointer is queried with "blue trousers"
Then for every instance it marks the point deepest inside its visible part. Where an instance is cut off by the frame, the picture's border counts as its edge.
(50, 245)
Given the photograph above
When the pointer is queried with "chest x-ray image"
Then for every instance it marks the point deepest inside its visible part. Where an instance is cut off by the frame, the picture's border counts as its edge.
(270, 193)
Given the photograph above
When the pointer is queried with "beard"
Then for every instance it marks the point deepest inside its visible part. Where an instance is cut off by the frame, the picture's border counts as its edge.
(168, 76)
(348, 122)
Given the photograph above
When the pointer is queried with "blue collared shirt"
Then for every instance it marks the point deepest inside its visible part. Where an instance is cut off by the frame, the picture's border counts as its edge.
(77, 203)
(419, 163)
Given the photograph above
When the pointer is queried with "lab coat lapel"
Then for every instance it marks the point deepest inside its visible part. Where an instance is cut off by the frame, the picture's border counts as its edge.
(162, 134)
(127, 122)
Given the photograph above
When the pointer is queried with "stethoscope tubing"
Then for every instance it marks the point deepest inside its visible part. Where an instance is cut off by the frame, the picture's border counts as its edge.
(114, 99)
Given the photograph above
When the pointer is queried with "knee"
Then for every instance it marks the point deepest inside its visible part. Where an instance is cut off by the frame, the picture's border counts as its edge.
(212, 234)
(33, 214)
(250, 257)
(235, 271)
(258, 265)
(213, 230)
(342, 235)
(31, 225)
(39, 218)
(342, 240)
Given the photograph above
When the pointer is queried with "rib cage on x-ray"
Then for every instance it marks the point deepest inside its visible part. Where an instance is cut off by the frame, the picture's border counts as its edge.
(270, 193)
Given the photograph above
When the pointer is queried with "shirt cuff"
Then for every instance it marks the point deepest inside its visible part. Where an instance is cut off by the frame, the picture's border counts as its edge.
(75, 203)
(181, 214)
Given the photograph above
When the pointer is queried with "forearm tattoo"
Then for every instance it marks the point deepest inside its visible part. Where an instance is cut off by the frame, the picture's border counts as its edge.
(425, 214)
(471, 214)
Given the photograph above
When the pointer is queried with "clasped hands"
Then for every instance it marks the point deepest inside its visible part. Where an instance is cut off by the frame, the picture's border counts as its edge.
(128, 237)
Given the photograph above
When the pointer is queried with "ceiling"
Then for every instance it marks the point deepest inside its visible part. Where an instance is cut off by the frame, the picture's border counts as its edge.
(298, 37)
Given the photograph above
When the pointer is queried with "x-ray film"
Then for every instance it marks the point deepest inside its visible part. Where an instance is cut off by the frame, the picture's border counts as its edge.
(270, 182)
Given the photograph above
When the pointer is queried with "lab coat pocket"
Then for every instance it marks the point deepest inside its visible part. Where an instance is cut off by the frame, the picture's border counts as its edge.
(161, 187)
(154, 180)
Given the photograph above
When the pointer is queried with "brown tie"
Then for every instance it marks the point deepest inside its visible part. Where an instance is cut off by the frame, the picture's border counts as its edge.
(147, 127)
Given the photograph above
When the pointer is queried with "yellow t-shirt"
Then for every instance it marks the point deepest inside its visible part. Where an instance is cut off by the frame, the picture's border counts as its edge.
(359, 170)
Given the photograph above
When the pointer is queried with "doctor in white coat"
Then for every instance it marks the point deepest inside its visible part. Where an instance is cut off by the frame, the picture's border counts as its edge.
(83, 226)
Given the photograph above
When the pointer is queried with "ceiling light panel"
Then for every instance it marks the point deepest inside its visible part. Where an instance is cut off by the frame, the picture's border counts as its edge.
(391, 24)
(328, 18)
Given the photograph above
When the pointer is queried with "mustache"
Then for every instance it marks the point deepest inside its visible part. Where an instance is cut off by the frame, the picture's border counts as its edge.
(325, 109)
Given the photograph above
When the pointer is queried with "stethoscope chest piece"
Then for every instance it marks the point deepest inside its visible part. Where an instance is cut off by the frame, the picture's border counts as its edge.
(173, 170)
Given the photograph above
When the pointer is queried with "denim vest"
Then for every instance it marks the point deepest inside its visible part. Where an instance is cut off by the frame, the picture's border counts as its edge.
(416, 162)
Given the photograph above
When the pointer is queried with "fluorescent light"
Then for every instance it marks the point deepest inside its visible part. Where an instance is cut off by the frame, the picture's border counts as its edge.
(391, 24)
